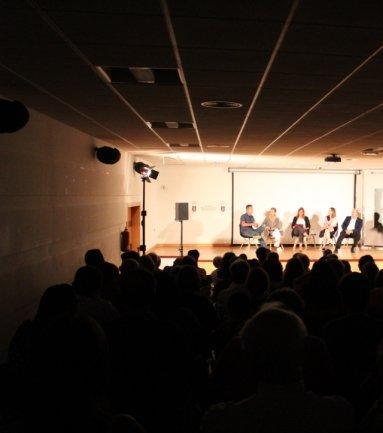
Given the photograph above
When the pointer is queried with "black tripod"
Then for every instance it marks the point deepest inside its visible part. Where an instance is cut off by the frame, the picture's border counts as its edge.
(143, 216)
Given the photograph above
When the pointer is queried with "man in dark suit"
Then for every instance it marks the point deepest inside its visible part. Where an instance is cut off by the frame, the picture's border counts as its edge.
(351, 228)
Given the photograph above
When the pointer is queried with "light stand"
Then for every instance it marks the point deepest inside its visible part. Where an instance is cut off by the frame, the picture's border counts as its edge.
(143, 216)
(146, 172)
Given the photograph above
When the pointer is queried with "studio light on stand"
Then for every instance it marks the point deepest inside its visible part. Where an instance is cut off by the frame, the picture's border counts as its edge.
(146, 172)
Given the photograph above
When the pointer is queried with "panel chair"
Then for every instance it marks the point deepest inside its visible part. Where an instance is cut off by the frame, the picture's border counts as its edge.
(247, 239)
(270, 242)
(349, 242)
(333, 239)
(305, 240)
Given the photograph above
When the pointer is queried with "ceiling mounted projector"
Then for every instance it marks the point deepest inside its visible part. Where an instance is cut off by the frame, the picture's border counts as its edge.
(333, 158)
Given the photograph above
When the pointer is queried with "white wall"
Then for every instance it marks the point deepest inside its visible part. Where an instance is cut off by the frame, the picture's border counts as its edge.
(208, 188)
(57, 201)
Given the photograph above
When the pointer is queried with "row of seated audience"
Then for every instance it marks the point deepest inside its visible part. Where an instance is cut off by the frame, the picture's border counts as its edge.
(252, 347)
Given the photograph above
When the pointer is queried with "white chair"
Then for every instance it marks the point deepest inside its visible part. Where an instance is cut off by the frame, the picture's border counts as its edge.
(296, 240)
(270, 241)
(247, 239)
(332, 239)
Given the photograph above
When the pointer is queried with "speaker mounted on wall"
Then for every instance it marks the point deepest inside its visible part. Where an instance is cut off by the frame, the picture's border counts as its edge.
(13, 116)
(108, 155)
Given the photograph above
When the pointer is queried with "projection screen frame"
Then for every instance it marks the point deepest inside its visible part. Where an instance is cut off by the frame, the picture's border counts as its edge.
(281, 170)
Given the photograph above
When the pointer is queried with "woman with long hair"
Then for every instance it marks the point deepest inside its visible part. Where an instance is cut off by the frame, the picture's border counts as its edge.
(329, 227)
(300, 227)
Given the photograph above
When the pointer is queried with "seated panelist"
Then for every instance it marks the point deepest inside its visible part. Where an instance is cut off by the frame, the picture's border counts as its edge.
(351, 228)
(273, 226)
(329, 227)
(249, 228)
(300, 226)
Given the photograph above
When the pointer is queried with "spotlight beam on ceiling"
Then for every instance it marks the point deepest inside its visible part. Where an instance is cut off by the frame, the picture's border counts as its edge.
(324, 97)
(266, 72)
(173, 40)
(372, 134)
(354, 119)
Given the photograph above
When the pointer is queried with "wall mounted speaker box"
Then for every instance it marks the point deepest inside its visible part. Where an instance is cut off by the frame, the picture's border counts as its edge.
(13, 116)
(182, 211)
(108, 155)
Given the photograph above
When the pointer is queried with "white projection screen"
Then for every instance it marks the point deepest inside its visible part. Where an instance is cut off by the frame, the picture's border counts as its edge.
(287, 191)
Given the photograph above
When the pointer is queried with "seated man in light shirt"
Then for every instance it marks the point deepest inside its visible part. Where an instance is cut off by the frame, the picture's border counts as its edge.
(249, 228)
(351, 228)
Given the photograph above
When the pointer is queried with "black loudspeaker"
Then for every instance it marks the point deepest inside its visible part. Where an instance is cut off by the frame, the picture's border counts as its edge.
(182, 211)
(108, 155)
(13, 116)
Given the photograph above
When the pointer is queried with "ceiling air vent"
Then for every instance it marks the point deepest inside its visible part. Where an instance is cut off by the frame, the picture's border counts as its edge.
(141, 75)
(170, 125)
(221, 104)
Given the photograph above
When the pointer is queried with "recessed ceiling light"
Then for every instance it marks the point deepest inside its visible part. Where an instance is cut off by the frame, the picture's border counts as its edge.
(221, 104)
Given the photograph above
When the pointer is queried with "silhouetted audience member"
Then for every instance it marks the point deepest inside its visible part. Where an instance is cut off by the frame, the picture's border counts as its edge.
(239, 270)
(149, 359)
(216, 263)
(304, 258)
(262, 253)
(367, 258)
(110, 281)
(56, 301)
(347, 266)
(375, 302)
(128, 265)
(69, 383)
(370, 270)
(239, 310)
(195, 254)
(88, 283)
(323, 301)
(188, 283)
(274, 341)
(258, 286)
(156, 259)
(337, 266)
(94, 257)
(274, 269)
(352, 339)
(130, 254)
(289, 299)
(300, 281)
(294, 269)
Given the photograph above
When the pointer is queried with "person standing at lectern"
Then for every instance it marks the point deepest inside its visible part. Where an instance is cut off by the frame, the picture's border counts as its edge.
(249, 228)
(351, 228)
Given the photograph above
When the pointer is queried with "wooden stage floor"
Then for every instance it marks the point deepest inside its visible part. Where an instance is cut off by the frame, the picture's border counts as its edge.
(207, 253)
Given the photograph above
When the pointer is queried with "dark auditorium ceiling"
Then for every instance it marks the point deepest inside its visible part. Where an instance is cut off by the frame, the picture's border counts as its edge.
(309, 74)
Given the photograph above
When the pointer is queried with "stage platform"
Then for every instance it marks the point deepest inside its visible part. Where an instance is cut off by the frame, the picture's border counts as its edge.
(207, 253)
